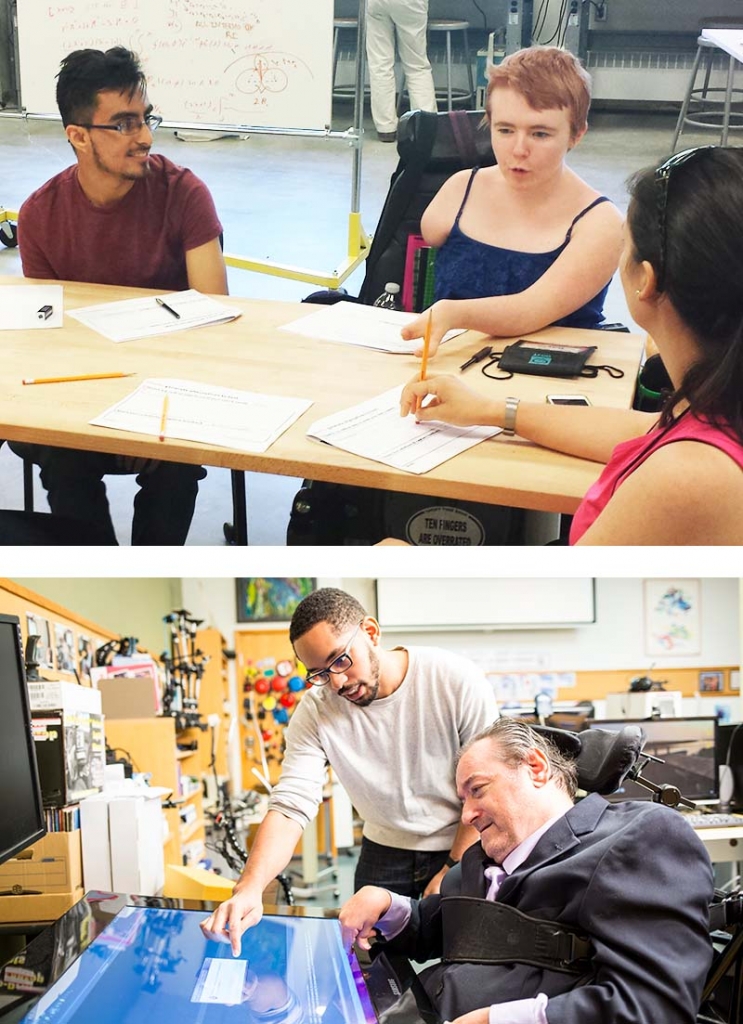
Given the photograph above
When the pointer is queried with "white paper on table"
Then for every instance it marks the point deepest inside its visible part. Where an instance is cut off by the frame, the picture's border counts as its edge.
(143, 318)
(243, 420)
(376, 430)
(353, 323)
(20, 305)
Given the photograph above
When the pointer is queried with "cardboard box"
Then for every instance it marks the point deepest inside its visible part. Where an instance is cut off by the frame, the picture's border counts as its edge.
(68, 734)
(39, 909)
(129, 698)
(53, 865)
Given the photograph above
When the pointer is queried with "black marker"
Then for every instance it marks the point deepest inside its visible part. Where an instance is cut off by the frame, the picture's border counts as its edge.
(170, 309)
(477, 357)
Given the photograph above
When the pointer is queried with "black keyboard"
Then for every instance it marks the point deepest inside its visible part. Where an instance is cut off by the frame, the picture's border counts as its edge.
(714, 820)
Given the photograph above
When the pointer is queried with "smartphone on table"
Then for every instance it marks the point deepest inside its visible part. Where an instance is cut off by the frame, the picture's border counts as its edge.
(567, 400)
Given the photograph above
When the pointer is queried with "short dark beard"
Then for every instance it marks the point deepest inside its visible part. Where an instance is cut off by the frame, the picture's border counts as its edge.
(372, 686)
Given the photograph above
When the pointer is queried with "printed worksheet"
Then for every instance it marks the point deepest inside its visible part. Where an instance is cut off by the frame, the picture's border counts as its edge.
(376, 430)
(243, 420)
(353, 323)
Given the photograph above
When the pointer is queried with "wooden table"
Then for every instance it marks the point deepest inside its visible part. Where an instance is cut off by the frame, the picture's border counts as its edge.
(250, 353)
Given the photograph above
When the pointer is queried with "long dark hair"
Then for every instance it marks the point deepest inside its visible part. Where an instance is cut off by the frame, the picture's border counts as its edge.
(701, 274)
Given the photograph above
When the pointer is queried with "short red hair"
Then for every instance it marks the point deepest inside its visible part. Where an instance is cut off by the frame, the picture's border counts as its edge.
(549, 79)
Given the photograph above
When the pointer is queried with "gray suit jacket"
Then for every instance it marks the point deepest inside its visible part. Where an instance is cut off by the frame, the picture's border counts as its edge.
(633, 876)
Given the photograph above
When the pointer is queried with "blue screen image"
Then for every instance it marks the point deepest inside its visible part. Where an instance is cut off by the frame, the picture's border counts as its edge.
(154, 966)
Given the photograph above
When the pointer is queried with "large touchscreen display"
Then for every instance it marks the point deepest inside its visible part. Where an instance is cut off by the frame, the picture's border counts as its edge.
(154, 966)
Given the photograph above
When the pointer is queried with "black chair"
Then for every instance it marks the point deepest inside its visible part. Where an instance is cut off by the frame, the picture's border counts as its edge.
(604, 760)
(431, 148)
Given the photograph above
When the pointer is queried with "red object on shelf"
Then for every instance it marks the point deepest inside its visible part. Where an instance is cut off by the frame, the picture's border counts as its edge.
(261, 685)
(287, 700)
(267, 736)
(278, 683)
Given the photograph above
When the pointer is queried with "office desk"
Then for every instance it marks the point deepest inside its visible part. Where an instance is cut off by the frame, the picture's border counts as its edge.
(252, 354)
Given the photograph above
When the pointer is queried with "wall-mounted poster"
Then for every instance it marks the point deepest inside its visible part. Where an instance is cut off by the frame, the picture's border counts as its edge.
(672, 617)
(270, 599)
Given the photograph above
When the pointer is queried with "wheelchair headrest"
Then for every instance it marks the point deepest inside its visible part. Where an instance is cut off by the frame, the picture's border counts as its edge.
(603, 758)
(441, 143)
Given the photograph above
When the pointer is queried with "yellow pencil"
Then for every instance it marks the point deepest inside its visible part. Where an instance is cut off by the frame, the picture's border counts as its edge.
(80, 376)
(426, 347)
(164, 418)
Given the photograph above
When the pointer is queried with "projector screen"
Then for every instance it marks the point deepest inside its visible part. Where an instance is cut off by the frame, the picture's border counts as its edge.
(485, 603)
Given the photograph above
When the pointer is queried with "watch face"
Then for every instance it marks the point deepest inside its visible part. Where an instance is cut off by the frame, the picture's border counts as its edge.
(284, 668)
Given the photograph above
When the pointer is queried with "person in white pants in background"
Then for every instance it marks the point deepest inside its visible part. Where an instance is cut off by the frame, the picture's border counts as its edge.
(408, 19)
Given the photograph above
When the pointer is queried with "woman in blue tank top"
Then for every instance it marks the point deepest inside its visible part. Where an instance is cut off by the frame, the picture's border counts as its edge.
(526, 243)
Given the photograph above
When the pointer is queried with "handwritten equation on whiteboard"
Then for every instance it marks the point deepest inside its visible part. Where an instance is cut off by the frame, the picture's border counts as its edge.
(255, 62)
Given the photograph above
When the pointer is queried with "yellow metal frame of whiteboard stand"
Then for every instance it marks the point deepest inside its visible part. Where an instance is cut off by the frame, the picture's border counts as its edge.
(358, 250)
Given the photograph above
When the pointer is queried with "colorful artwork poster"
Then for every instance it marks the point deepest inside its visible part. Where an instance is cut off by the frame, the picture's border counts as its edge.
(672, 617)
(36, 625)
(270, 599)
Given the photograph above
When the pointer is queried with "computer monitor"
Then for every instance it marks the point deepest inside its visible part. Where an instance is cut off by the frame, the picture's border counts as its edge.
(730, 754)
(688, 749)
(22, 820)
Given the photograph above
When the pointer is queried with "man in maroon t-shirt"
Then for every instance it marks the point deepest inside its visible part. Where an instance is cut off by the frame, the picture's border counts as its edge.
(119, 216)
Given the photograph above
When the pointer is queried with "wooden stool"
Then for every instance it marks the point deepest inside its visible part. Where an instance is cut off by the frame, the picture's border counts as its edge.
(703, 106)
(449, 25)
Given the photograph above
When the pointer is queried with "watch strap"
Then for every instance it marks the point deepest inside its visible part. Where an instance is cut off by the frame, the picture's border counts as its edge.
(509, 420)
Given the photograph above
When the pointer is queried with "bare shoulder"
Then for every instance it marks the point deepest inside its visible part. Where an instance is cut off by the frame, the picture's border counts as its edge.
(686, 493)
(439, 215)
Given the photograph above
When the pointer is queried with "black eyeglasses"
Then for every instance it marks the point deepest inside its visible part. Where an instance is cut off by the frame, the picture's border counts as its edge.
(340, 664)
(130, 124)
(662, 180)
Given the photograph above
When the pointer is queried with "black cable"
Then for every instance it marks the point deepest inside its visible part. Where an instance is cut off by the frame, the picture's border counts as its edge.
(482, 12)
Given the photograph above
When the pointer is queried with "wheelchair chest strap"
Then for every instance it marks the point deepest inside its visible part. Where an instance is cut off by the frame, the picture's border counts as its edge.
(487, 932)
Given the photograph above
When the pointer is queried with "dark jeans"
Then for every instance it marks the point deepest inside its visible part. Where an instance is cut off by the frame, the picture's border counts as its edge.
(163, 506)
(406, 872)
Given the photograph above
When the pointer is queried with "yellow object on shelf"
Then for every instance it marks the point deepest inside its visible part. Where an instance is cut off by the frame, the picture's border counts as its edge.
(192, 883)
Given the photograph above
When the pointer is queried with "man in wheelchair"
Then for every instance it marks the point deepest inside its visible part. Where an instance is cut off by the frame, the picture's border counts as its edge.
(564, 913)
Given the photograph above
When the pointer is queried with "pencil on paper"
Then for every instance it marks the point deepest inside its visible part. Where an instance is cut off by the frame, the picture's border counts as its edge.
(426, 347)
(164, 418)
(79, 376)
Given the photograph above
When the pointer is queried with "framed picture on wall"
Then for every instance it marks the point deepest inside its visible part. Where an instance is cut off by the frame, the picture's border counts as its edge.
(710, 682)
(734, 679)
(271, 599)
(672, 617)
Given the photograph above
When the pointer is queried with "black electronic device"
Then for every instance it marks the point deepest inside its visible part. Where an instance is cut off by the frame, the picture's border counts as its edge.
(567, 400)
(730, 759)
(22, 820)
(687, 747)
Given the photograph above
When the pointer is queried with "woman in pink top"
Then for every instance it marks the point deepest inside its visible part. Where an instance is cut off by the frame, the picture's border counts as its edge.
(674, 478)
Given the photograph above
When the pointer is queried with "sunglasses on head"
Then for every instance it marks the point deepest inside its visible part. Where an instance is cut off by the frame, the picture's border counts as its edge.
(662, 179)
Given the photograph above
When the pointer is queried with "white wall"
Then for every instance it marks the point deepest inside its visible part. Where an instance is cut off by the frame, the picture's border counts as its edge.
(614, 641)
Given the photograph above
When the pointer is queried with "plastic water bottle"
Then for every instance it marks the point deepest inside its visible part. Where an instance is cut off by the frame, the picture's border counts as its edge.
(390, 297)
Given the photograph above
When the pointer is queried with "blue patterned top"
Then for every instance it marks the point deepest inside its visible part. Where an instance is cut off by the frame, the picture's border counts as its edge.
(469, 269)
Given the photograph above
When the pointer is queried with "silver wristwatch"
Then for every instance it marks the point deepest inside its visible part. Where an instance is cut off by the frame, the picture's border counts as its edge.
(509, 422)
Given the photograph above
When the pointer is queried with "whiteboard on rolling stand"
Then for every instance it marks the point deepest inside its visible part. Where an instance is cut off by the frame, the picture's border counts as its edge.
(238, 63)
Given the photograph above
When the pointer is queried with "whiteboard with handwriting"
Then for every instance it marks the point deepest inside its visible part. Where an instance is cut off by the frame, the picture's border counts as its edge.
(264, 63)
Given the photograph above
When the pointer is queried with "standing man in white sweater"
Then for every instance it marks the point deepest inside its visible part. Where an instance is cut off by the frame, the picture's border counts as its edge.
(389, 723)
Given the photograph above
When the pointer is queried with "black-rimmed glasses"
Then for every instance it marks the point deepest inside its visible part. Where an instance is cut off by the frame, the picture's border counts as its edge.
(337, 666)
(130, 124)
(662, 179)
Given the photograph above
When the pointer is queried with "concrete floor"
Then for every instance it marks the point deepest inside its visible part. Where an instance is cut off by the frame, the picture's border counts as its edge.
(288, 198)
